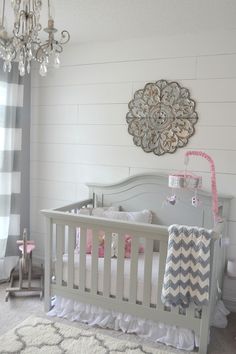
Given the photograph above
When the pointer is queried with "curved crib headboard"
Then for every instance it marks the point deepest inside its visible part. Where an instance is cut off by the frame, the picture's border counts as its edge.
(149, 191)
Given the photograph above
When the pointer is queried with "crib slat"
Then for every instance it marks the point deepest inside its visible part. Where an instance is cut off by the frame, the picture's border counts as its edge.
(120, 268)
(82, 258)
(147, 272)
(94, 267)
(107, 266)
(59, 253)
(162, 264)
(71, 246)
(133, 270)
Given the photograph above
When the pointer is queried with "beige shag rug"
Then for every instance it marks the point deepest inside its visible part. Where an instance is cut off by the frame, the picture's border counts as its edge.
(40, 336)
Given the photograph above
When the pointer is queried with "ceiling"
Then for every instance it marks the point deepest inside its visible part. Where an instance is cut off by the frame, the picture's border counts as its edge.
(105, 20)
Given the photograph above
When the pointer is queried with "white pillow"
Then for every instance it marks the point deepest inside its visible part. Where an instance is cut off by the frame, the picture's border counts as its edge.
(96, 211)
(85, 211)
(100, 210)
(144, 216)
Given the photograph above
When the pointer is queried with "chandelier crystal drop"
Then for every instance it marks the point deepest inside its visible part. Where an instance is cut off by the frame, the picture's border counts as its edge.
(25, 45)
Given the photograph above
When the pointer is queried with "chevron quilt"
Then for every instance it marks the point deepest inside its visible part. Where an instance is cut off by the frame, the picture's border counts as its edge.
(187, 271)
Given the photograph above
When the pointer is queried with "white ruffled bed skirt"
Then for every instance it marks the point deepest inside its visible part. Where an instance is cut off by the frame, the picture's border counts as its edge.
(180, 338)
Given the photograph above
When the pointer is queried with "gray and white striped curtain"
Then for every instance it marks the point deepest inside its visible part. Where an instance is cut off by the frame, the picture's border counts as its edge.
(14, 164)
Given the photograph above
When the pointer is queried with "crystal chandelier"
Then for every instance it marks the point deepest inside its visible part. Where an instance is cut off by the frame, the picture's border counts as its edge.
(25, 45)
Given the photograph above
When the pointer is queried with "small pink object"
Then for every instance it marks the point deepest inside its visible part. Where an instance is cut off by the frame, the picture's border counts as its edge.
(29, 248)
(128, 246)
(26, 246)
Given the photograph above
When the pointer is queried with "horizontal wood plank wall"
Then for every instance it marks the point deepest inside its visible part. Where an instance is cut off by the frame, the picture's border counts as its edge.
(79, 132)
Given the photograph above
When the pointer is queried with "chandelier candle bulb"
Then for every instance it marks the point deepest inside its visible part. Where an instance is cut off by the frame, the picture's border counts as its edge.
(50, 23)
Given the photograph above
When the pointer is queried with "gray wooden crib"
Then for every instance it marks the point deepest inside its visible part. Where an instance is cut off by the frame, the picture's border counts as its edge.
(146, 191)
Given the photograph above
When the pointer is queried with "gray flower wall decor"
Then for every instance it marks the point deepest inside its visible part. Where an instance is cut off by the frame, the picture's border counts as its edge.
(161, 117)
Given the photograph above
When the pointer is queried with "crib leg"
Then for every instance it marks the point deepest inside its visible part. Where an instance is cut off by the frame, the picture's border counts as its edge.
(30, 270)
(47, 266)
(204, 331)
(47, 289)
(47, 303)
(203, 344)
(21, 273)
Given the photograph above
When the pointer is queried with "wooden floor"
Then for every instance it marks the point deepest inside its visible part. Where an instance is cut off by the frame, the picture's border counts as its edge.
(19, 308)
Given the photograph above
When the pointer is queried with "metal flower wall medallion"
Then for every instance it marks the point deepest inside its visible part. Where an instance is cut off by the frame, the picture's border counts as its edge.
(161, 117)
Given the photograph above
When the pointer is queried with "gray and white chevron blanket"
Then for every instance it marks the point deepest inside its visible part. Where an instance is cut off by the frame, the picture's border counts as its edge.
(187, 272)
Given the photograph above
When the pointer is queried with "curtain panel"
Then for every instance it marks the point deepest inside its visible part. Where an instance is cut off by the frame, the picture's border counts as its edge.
(14, 164)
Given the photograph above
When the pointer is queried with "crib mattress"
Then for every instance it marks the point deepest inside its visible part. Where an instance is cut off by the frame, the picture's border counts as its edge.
(127, 262)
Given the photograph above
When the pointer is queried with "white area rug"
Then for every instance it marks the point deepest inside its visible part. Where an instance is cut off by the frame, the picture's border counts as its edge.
(40, 336)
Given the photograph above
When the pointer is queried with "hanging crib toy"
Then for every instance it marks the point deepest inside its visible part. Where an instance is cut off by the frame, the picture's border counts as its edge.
(187, 180)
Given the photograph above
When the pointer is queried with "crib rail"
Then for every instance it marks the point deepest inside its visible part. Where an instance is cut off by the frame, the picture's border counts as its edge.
(76, 206)
(61, 239)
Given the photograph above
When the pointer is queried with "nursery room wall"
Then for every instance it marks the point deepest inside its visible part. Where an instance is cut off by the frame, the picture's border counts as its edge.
(79, 131)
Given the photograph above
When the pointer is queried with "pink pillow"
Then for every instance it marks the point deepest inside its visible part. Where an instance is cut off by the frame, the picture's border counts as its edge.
(101, 236)
(89, 236)
(128, 246)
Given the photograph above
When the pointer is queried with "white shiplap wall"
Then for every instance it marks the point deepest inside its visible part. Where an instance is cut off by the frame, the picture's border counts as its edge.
(79, 133)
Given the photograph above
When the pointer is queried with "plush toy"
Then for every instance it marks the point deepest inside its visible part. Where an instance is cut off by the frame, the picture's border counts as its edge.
(101, 240)
(128, 246)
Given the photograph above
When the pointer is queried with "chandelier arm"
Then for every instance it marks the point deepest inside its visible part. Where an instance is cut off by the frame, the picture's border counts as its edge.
(41, 49)
(59, 48)
(35, 46)
(65, 37)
